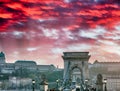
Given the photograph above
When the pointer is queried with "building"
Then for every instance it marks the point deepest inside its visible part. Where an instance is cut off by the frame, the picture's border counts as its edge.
(7, 68)
(43, 68)
(30, 65)
(109, 71)
(2, 57)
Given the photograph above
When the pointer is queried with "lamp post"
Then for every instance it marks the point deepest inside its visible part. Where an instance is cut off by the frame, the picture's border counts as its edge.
(33, 85)
(105, 82)
(57, 81)
(86, 84)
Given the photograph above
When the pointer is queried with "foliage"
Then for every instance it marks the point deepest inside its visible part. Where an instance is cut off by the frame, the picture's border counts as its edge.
(4, 76)
(23, 73)
(53, 75)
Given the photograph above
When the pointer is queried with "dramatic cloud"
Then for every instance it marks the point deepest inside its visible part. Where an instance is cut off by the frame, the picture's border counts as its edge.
(41, 30)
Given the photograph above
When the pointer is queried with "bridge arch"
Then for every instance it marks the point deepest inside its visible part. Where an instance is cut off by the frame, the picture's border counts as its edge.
(76, 66)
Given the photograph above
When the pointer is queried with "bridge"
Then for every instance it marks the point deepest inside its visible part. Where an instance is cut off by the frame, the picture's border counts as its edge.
(76, 73)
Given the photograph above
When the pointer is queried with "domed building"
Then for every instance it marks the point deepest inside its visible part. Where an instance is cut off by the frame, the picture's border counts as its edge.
(2, 57)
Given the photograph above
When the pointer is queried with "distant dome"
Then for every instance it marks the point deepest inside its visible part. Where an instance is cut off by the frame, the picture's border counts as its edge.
(2, 54)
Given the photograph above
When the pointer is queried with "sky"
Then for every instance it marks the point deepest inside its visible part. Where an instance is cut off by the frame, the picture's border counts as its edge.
(41, 30)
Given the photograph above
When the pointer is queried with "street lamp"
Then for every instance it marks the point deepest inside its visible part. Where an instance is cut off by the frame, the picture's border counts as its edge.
(33, 85)
(57, 81)
(86, 81)
(86, 84)
(105, 82)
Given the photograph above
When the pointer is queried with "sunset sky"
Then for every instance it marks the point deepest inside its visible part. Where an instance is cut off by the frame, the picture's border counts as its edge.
(41, 30)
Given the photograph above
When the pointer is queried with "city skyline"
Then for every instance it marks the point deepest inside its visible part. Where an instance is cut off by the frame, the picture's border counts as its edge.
(41, 30)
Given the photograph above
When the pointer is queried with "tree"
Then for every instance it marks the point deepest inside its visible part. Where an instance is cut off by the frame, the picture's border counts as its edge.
(21, 72)
(53, 75)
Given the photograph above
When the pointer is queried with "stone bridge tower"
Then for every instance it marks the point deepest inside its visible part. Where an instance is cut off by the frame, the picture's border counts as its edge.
(76, 66)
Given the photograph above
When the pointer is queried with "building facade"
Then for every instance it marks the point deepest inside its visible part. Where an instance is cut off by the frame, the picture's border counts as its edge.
(9, 68)
(43, 68)
(109, 71)
(26, 64)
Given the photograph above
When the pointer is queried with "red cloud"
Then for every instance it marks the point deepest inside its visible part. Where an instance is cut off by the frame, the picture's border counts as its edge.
(25, 20)
(14, 5)
(83, 13)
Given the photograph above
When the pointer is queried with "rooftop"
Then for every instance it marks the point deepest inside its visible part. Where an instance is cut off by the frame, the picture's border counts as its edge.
(75, 53)
(106, 62)
(25, 62)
